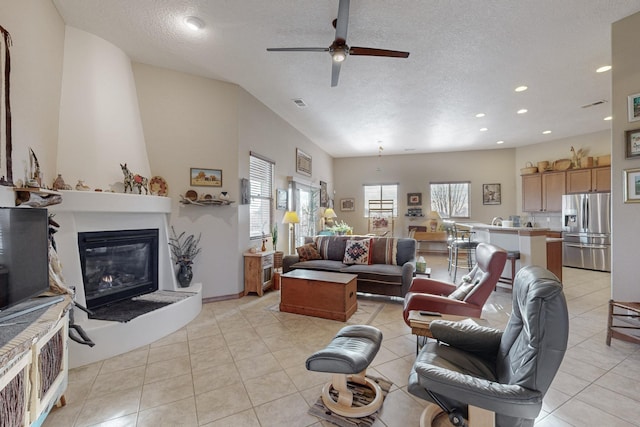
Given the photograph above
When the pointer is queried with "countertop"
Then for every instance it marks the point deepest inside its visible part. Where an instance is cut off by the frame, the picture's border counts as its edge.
(531, 231)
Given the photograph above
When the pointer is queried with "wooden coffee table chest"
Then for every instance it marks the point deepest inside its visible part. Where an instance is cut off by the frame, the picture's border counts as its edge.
(319, 293)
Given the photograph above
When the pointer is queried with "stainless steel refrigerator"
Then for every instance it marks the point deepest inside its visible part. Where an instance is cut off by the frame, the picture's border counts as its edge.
(586, 226)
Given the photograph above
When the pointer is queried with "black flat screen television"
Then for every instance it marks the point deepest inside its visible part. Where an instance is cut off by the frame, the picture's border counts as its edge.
(24, 254)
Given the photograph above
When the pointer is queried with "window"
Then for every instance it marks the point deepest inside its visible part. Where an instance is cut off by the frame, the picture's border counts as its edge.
(450, 199)
(381, 192)
(261, 172)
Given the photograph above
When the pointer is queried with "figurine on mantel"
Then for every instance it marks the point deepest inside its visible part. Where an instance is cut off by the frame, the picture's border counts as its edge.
(131, 180)
(81, 186)
(59, 184)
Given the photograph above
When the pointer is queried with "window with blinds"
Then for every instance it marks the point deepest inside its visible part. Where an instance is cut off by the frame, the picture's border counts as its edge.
(261, 173)
(381, 192)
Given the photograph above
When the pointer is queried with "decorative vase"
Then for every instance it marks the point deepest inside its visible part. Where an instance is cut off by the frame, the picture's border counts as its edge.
(224, 195)
(264, 245)
(59, 183)
(185, 274)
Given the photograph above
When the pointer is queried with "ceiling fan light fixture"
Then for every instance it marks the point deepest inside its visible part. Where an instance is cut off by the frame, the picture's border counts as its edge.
(194, 23)
(339, 53)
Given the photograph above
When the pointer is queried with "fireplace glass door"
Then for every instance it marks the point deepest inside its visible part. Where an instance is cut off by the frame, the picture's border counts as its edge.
(117, 265)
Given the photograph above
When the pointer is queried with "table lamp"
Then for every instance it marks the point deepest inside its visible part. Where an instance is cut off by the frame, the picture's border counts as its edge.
(434, 218)
(291, 217)
(328, 216)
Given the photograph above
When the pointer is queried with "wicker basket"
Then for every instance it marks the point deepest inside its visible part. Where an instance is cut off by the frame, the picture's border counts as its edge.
(604, 160)
(562, 164)
(528, 169)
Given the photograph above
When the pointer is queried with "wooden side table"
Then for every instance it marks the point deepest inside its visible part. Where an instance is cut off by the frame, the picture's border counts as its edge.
(258, 272)
(623, 310)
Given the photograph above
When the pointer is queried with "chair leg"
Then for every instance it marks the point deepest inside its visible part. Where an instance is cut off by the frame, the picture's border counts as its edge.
(454, 266)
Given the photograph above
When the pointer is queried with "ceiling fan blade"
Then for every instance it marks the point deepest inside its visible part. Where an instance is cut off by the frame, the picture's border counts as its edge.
(342, 23)
(370, 51)
(298, 49)
(335, 73)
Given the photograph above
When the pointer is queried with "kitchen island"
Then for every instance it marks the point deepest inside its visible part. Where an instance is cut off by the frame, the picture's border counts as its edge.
(531, 242)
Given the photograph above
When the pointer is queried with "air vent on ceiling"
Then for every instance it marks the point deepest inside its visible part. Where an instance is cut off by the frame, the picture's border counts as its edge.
(593, 104)
(299, 102)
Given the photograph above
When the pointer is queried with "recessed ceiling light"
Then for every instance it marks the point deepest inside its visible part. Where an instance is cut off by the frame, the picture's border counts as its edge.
(608, 118)
(194, 23)
(480, 115)
(603, 69)
(483, 129)
(522, 111)
(521, 88)
(499, 142)
(546, 132)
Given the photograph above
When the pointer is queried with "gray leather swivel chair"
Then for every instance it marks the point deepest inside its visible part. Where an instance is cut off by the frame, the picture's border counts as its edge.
(471, 366)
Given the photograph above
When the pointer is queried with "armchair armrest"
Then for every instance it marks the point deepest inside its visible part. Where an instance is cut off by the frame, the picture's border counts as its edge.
(419, 301)
(408, 270)
(431, 286)
(510, 400)
(471, 338)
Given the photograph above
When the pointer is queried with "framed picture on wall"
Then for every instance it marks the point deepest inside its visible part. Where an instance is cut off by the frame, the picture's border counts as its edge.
(632, 140)
(633, 106)
(303, 162)
(347, 205)
(245, 196)
(414, 199)
(324, 197)
(201, 177)
(281, 199)
(491, 194)
(632, 186)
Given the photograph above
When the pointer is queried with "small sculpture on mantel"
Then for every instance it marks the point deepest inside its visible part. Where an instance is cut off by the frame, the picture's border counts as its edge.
(81, 186)
(59, 184)
(131, 180)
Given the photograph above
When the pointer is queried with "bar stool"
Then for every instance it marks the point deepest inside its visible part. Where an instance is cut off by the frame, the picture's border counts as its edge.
(458, 241)
(511, 256)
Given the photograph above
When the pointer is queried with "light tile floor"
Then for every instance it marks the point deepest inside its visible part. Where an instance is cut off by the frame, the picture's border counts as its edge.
(241, 363)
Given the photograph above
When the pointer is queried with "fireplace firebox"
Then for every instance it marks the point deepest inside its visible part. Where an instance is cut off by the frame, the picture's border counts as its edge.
(117, 265)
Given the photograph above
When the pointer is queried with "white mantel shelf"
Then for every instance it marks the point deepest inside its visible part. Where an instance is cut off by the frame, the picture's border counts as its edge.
(105, 202)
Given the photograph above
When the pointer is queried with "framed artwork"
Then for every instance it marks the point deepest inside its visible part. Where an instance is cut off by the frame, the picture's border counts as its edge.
(632, 186)
(201, 177)
(634, 107)
(632, 142)
(303, 162)
(245, 191)
(491, 194)
(414, 199)
(324, 197)
(347, 205)
(281, 199)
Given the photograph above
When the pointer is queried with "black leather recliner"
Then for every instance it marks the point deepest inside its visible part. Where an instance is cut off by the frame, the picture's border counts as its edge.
(504, 372)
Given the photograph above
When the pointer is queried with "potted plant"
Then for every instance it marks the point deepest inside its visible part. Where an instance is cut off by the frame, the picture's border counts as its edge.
(341, 228)
(184, 251)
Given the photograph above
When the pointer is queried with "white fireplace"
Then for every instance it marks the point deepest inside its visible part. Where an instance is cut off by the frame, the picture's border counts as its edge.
(87, 211)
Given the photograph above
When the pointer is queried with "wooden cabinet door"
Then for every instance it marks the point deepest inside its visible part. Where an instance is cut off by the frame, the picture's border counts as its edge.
(532, 193)
(579, 181)
(553, 187)
(601, 179)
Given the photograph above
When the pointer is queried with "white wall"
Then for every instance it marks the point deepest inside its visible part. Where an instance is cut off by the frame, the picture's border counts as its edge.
(626, 228)
(262, 131)
(37, 32)
(190, 122)
(100, 123)
(414, 172)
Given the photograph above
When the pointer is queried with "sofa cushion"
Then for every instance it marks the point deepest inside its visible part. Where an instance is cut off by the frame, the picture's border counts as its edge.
(357, 252)
(320, 264)
(380, 273)
(385, 251)
(308, 252)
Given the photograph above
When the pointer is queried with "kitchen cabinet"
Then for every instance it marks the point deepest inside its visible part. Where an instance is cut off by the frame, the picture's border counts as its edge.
(542, 192)
(589, 180)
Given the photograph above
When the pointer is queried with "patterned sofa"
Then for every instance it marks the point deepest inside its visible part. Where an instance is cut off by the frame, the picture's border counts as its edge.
(389, 270)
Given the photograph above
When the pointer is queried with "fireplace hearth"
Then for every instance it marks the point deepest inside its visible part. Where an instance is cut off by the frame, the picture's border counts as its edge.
(117, 265)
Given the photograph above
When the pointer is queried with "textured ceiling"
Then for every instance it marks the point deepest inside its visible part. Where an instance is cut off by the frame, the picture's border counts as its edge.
(466, 57)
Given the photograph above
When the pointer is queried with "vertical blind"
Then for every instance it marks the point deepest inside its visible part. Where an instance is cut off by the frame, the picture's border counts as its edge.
(261, 171)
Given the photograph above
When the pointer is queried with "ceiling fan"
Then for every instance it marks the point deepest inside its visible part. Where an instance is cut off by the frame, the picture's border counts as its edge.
(339, 50)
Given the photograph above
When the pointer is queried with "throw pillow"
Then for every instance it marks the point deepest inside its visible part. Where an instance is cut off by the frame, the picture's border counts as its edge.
(357, 252)
(308, 252)
(463, 290)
